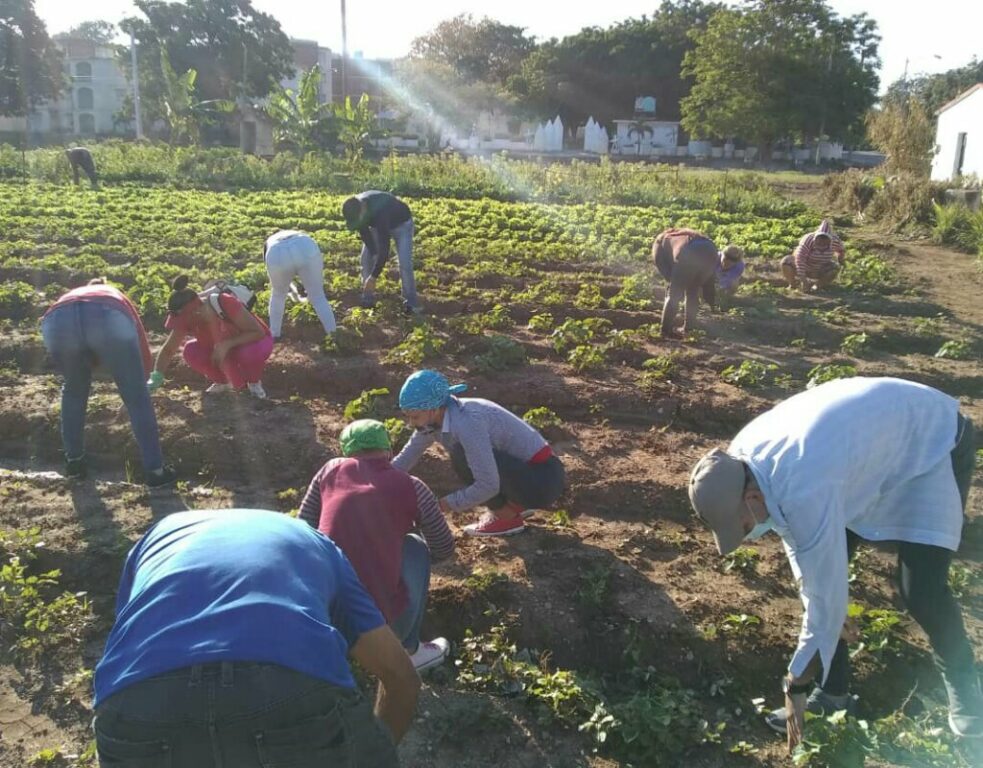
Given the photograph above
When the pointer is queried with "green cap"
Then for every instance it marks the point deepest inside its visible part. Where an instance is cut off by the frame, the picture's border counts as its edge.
(364, 435)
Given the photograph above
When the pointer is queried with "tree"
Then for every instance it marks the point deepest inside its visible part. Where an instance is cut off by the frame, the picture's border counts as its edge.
(185, 113)
(781, 69)
(600, 72)
(236, 50)
(933, 91)
(30, 64)
(906, 134)
(476, 50)
(300, 119)
(96, 31)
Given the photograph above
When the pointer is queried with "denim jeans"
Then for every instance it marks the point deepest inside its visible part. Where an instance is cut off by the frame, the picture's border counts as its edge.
(533, 486)
(403, 237)
(416, 576)
(298, 256)
(239, 715)
(923, 572)
(82, 334)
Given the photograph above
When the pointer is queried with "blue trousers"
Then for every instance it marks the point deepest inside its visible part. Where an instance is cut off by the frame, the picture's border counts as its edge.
(79, 336)
(416, 576)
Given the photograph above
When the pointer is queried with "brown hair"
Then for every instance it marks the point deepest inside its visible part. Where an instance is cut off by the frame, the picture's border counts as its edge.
(181, 295)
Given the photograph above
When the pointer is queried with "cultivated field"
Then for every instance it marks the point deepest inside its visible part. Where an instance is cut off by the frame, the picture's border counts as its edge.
(610, 633)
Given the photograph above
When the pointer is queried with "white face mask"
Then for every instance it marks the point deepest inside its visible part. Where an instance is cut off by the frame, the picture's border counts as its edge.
(760, 529)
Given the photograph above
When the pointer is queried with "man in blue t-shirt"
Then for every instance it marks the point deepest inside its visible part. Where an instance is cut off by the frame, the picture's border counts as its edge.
(229, 649)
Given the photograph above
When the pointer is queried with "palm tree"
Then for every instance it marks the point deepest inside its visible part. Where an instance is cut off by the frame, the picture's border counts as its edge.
(301, 119)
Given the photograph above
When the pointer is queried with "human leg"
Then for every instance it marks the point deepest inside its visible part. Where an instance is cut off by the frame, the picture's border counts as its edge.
(415, 574)
(368, 282)
(310, 270)
(113, 335)
(281, 271)
(827, 275)
(530, 486)
(62, 333)
(403, 237)
(244, 364)
(674, 295)
(199, 358)
(788, 270)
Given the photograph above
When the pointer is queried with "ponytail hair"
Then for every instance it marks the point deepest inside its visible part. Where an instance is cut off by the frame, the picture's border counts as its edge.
(181, 295)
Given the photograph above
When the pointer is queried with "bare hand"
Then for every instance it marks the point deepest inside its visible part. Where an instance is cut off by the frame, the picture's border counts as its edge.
(795, 710)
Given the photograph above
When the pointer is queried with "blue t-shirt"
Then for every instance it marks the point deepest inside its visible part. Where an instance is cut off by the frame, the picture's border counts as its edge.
(234, 585)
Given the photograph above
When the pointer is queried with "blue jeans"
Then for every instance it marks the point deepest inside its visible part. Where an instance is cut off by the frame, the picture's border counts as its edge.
(403, 237)
(416, 576)
(82, 334)
(239, 715)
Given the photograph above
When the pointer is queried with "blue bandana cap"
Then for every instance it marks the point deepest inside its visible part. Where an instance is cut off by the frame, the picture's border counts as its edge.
(425, 390)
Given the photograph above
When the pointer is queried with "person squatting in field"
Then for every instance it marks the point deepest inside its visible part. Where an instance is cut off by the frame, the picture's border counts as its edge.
(97, 325)
(375, 513)
(690, 261)
(81, 158)
(875, 459)
(229, 345)
(730, 269)
(379, 217)
(229, 650)
(507, 464)
(289, 254)
(816, 260)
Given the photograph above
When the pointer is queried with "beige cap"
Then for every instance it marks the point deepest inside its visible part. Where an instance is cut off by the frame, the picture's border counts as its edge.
(716, 491)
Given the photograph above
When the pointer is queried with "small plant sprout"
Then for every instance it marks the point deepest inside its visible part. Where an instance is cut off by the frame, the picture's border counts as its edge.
(955, 349)
(541, 418)
(743, 560)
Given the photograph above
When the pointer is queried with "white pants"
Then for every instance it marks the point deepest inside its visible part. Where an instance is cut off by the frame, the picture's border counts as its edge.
(290, 255)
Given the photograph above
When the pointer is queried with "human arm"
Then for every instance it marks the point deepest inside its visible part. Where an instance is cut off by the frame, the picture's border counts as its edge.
(168, 350)
(414, 449)
(380, 654)
(473, 435)
(800, 257)
(382, 238)
(838, 249)
(247, 326)
(432, 522)
(310, 507)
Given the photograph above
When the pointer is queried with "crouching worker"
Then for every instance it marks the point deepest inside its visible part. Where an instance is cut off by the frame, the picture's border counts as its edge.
(690, 261)
(229, 344)
(370, 510)
(229, 649)
(98, 325)
(730, 269)
(289, 254)
(507, 464)
(862, 458)
(816, 261)
(80, 158)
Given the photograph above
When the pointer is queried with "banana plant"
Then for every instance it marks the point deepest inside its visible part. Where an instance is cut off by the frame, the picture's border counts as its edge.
(357, 124)
(184, 112)
(300, 120)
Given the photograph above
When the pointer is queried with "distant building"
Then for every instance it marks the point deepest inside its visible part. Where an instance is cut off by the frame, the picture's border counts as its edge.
(959, 136)
(307, 53)
(94, 94)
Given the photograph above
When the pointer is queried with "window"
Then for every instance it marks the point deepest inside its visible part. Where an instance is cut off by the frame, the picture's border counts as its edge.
(83, 98)
(83, 70)
(87, 123)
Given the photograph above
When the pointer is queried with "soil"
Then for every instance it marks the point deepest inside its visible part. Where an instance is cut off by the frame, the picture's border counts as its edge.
(628, 454)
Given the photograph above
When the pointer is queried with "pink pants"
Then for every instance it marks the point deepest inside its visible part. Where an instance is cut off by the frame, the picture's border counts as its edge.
(242, 365)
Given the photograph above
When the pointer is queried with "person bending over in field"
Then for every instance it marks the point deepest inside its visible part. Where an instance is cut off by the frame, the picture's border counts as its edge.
(289, 254)
(879, 459)
(372, 511)
(379, 217)
(230, 647)
(730, 268)
(816, 261)
(229, 345)
(507, 464)
(81, 158)
(689, 261)
(98, 325)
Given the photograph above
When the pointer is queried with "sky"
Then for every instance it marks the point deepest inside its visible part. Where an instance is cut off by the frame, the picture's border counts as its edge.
(932, 37)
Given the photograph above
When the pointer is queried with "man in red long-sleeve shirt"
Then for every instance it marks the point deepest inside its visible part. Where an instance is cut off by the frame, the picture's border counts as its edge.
(370, 510)
(816, 261)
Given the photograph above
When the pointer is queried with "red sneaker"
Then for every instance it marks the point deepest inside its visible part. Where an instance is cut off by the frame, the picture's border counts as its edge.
(489, 525)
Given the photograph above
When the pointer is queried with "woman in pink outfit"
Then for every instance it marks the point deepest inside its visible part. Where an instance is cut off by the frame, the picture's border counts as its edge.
(229, 344)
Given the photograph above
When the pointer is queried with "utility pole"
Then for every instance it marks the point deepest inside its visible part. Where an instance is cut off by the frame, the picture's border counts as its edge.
(344, 55)
(136, 86)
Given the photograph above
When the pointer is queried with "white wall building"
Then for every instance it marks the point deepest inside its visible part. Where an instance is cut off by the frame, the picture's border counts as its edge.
(959, 136)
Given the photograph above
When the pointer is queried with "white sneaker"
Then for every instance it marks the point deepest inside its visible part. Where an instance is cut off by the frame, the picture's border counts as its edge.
(216, 388)
(256, 390)
(431, 654)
